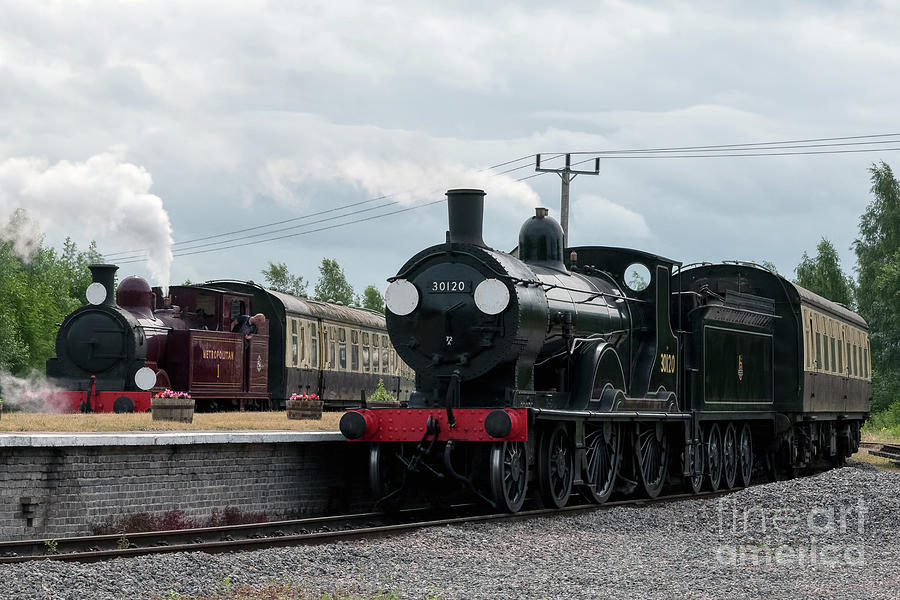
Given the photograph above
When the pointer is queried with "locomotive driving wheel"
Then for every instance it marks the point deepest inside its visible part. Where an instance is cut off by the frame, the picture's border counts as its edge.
(386, 476)
(509, 475)
(555, 466)
(604, 451)
(730, 456)
(651, 447)
(745, 455)
(696, 458)
(714, 457)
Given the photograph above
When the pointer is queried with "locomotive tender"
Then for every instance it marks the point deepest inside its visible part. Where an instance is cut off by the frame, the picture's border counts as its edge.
(116, 352)
(561, 370)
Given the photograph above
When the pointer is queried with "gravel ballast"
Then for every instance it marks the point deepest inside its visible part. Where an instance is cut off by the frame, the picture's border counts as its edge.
(831, 535)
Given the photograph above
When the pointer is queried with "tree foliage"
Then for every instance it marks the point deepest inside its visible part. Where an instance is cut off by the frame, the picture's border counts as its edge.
(878, 260)
(824, 276)
(332, 285)
(373, 300)
(36, 293)
(280, 279)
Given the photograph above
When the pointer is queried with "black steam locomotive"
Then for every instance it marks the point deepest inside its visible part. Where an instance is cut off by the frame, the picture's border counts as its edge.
(596, 369)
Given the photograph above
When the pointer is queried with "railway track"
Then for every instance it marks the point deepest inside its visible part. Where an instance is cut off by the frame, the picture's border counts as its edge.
(280, 533)
(888, 451)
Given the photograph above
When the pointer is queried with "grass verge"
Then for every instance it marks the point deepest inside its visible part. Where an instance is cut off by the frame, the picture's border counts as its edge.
(882, 464)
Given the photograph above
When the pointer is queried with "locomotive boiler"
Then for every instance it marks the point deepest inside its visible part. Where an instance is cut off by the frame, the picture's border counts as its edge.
(594, 369)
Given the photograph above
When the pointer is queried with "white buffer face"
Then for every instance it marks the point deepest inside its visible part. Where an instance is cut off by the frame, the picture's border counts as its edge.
(401, 297)
(95, 293)
(145, 378)
(491, 296)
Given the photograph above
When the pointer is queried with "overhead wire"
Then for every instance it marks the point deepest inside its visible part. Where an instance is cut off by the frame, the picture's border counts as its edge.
(123, 256)
(776, 148)
(188, 252)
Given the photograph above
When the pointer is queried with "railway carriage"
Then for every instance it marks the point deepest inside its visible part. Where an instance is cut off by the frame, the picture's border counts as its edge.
(337, 352)
(599, 370)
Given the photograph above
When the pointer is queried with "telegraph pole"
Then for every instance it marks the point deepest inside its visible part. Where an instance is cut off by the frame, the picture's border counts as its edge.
(566, 174)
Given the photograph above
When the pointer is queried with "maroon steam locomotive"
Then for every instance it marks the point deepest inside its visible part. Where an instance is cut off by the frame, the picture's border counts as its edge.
(114, 353)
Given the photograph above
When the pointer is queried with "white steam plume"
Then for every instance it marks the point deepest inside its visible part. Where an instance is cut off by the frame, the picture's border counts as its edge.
(31, 394)
(406, 181)
(102, 197)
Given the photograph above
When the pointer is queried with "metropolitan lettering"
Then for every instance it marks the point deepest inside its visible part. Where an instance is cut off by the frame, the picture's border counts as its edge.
(210, 354)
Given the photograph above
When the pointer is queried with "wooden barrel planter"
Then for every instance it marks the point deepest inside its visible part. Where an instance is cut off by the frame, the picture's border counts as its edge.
(173, 409)
(304, 409)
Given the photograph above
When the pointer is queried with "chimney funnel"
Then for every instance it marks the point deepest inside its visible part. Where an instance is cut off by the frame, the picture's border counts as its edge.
(466, 215)
(106, 276)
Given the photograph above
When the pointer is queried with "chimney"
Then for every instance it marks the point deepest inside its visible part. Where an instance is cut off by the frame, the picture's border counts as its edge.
(466, 213)
(106, 275)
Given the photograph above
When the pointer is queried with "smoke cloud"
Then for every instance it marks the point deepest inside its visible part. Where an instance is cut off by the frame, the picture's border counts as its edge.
(31, 394)
(281, 178)
(104, 197)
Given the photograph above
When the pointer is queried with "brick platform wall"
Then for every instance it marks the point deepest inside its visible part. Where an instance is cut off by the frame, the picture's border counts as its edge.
(51, 492)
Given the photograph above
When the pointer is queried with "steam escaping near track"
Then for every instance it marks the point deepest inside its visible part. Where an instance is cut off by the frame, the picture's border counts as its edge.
(405, 181)
(103, 198)
(30, 394)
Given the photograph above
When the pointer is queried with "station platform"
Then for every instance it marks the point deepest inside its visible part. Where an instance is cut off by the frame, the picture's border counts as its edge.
(161, 438)
(69, 484)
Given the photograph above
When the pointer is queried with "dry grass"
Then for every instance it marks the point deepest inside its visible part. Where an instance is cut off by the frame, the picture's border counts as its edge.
(882, 436)
(883, 464)
(277, 420)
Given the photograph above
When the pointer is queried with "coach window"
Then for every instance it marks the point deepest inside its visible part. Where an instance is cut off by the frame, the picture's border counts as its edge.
(375, 354)
(384, 354)
(818, 342)
(855, 369)
(302, 342)
(332, 349)
(313, 346)
(295, 344)
(840, 352)
(831, 341)
(809, 343)
(365, 353)
(865, 361)
(354, 350)
(342, 348)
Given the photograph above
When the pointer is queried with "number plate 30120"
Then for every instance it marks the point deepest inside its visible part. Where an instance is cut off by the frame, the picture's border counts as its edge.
(450, 287)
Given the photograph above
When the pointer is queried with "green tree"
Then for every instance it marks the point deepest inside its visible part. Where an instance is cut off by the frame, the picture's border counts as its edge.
(878, 261)
(824, 276)
(768, 264)
(280, 279)
(332, 285)
(36, 293)
(373, 300)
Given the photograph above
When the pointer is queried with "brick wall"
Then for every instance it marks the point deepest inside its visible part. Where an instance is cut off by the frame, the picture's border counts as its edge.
(51, 492)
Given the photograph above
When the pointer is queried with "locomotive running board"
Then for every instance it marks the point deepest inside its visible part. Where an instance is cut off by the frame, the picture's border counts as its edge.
(590, 415)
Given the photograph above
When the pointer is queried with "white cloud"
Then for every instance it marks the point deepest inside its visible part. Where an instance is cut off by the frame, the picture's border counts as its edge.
(404, 181)
(103, 197)
(596, 220)
(293, 107)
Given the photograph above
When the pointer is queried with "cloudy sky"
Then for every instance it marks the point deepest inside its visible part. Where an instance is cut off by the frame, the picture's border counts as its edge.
(153, 126)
